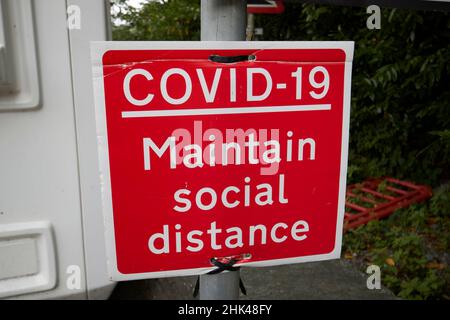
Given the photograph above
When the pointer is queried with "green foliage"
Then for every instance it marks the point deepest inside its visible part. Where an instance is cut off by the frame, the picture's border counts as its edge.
(410, 247)
(400, 116)
(440, 203)
(157, 20)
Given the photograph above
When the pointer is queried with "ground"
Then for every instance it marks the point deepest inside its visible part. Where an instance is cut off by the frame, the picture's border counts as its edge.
(336, 279)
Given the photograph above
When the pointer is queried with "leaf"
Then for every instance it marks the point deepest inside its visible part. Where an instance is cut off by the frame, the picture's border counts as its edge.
(390, 262)
(348, 256)
(435, 265)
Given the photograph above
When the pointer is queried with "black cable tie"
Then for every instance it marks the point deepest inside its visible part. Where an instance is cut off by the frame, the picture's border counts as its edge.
(197, 287)
(241, 285)
(228, 266)
(232, 59)
(221, 267)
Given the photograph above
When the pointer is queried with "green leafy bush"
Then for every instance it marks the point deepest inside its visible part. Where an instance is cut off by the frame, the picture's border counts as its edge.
(400, 116)
(157, 20)
(411, 247)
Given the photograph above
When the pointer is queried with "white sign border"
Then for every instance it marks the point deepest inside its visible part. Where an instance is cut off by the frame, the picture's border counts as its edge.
(99, 48)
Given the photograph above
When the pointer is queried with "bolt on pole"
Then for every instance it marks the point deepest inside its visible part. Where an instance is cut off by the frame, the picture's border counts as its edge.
(222, 20)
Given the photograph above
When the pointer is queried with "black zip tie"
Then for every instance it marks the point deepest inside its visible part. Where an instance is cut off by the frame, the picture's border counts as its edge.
(196, 288)
(231, 59)
(228, 266)
(221, 267)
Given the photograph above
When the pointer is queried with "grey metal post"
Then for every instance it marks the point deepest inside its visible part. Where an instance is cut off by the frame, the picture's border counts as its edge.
(250, 26)
(222, 20)
(221, 286)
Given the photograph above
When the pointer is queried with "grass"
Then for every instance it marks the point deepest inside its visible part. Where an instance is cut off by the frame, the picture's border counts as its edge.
(411, 247)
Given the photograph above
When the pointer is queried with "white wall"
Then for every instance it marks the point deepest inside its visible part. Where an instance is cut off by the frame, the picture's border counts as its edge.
(44, 174)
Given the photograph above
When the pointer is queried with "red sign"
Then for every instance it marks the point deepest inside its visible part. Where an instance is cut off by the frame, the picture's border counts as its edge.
(219, 150)
(265, 6)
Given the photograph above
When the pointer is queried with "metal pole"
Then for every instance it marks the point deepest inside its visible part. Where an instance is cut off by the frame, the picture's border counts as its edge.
(222, 20)
(221, 286)
(250, 26)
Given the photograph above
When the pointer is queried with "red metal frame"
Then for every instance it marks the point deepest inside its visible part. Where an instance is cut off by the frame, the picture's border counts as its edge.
(371, 201)
(270, 7)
